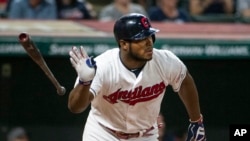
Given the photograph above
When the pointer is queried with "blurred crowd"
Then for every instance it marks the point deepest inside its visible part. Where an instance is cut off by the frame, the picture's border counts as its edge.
(157, 10)
(178, 134)
(14, 134)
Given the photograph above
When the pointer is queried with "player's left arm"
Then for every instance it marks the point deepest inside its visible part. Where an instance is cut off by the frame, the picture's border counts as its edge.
(189, 95)
(183, 83)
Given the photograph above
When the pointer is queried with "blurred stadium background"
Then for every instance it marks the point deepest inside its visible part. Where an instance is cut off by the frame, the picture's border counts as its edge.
(216, 51)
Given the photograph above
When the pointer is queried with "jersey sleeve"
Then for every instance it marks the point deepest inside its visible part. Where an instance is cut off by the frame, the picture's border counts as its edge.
(101, 82)
(96, 84)
(177, 72)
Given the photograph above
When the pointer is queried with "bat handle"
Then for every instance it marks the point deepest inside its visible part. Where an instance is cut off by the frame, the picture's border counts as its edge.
(61, 90)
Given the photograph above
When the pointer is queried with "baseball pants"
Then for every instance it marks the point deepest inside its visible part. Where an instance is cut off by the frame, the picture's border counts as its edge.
(93, 131)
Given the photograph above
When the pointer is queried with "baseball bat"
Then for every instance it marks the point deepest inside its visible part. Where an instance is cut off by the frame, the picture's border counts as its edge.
(37, 57)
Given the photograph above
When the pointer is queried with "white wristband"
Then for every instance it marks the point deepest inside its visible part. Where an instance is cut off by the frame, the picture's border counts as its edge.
(199, 120)
(85, 83)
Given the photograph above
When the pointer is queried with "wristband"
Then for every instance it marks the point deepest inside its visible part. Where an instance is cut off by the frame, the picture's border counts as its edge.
(200, 120)
(85, 83)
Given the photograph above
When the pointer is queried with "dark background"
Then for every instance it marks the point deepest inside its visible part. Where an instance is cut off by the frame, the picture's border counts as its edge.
(28, 98)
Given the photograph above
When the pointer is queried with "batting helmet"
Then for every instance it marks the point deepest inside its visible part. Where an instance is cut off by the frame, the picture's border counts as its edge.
(133, 27)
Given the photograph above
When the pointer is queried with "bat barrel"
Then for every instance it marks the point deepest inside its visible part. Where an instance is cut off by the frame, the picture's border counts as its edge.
(24, 39)
(23, 36)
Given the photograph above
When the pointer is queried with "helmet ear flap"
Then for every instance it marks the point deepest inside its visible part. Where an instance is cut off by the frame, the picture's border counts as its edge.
(153, 38)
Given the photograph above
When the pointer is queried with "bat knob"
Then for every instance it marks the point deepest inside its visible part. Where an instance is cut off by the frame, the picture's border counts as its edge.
(61, 91)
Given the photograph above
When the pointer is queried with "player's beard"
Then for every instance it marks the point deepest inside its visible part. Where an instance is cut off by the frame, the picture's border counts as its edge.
(136, 56)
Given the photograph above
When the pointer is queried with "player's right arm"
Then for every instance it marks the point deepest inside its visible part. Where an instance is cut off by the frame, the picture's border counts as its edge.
(80, 96)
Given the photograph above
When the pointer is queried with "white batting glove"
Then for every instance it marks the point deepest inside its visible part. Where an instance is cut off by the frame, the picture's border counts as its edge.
(84, 65)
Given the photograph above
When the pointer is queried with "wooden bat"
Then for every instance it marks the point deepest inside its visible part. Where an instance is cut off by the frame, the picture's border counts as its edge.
(37, 57)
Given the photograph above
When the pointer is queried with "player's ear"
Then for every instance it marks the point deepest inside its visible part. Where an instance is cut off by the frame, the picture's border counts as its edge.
(123, 44)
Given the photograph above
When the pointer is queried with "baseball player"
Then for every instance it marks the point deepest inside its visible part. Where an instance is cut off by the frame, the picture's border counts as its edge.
(126, 85)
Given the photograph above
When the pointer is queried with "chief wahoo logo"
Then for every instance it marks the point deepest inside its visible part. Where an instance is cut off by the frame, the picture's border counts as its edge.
(145, 22)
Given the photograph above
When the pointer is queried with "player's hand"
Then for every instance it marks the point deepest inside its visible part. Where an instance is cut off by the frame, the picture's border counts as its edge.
(84, 65)
(196, 131)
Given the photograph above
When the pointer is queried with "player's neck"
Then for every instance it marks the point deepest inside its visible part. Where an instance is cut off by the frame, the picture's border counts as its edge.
(131, 63)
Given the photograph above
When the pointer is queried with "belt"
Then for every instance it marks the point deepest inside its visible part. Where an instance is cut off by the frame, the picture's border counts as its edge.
(122, 135)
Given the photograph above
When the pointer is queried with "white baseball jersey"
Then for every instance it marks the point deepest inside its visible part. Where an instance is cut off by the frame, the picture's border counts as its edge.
(126, 103)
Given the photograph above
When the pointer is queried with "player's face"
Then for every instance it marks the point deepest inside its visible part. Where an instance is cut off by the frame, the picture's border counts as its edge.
(141, 50)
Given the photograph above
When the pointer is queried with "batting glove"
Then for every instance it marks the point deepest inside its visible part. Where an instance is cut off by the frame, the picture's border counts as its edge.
(84, 65)
(196, 131)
